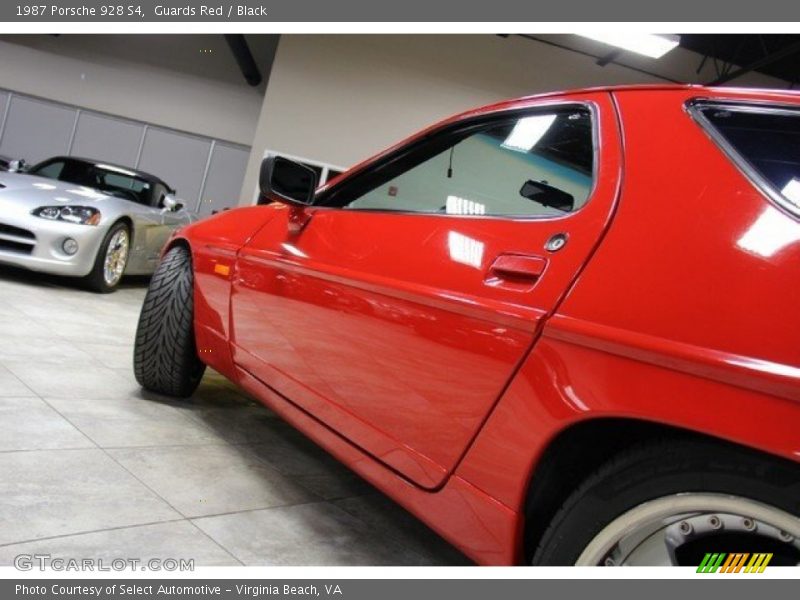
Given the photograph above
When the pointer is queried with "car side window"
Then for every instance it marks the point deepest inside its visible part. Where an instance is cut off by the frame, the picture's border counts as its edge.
(765, 141)
(124, 186)
(50, 170)
(538, 164)
(158, 194)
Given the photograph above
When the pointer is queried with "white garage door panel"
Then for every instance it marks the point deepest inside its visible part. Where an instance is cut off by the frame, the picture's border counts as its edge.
(36, 130)
(224, 179)
(108, 139)
(177, 158)
(3, 104)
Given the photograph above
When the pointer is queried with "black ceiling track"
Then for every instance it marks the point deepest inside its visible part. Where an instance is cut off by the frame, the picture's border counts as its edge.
(244, 58)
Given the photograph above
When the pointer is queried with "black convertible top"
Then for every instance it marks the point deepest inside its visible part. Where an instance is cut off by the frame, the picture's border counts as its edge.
(100, 163)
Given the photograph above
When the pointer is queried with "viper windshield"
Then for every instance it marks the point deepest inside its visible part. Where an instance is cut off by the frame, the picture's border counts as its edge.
(112, 180)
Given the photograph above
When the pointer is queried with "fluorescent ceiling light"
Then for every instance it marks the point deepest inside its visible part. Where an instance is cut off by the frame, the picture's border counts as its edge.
(527, 132)
(648, 44)
(792, 191)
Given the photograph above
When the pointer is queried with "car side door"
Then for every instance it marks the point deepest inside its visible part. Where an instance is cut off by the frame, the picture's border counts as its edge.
(397, 308)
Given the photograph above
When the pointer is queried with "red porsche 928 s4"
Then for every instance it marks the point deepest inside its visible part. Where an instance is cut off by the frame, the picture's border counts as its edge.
(561, 330)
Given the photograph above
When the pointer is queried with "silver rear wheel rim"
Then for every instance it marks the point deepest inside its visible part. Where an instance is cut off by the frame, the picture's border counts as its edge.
(116, 257)
(643, 535)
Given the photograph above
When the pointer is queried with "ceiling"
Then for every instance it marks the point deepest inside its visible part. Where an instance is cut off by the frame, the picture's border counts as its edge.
(203, 55)
(702, 58)
(777, 55)
(768, 60)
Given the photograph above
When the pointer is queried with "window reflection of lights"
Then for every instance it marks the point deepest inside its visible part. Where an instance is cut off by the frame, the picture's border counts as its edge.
(769, 234)
(465, 250)
(765, 366)
(44, 186)
(527, 132)
(574, 399)
(294, 250)
(791, 191)
(462, 206)
(86, 192)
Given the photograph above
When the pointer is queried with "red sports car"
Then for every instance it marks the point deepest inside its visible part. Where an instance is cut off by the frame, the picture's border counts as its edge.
(561, 330)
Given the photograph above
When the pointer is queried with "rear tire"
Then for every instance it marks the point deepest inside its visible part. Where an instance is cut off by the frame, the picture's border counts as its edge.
(165, 356)
(600, 519)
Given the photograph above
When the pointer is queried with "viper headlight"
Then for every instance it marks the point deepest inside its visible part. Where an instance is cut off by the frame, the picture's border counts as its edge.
(82, 215)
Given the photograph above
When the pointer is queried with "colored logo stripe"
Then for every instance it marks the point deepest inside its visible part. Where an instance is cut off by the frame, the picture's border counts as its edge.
(711, 563)
(758, 563)
(733, 563)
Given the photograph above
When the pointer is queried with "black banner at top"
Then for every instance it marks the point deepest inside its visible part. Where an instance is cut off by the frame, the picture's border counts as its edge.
(305, 11)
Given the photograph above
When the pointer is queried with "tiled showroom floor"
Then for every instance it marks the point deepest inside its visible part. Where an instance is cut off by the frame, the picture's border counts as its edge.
(91, 466)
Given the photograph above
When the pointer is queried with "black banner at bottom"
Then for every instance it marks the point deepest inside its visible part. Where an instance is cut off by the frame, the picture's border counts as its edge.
(731, 588)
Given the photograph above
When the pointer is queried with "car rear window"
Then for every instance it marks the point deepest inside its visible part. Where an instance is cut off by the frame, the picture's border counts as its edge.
(765, 142)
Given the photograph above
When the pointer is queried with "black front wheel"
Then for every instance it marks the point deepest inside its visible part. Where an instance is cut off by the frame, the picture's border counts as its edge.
(165, 355)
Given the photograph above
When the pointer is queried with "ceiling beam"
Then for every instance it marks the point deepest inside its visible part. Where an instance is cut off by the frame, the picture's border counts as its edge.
(765, 61)
(608, 58)
(244, 58)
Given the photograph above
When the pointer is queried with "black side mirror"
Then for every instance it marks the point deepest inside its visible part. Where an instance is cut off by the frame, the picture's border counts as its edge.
(547, 195)
(287, 181)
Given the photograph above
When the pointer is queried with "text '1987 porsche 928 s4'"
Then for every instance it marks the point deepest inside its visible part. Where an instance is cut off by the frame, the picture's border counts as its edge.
(560, 330)
(85, 218)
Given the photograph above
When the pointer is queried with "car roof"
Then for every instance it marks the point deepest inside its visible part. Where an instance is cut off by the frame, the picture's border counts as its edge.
(645, 87)
(139, 174)
(767, 93)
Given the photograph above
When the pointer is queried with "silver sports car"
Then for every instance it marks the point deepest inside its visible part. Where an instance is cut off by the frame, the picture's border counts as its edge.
(85, 218)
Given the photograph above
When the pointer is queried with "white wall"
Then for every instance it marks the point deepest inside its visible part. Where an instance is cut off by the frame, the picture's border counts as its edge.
(341, 98)
(75, 70)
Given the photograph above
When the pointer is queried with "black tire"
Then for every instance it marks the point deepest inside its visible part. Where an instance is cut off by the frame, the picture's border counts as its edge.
(165, 356)
(96, 280)
(663, 469)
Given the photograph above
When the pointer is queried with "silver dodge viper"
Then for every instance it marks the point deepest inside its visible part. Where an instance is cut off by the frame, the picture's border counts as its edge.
(85, 218)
